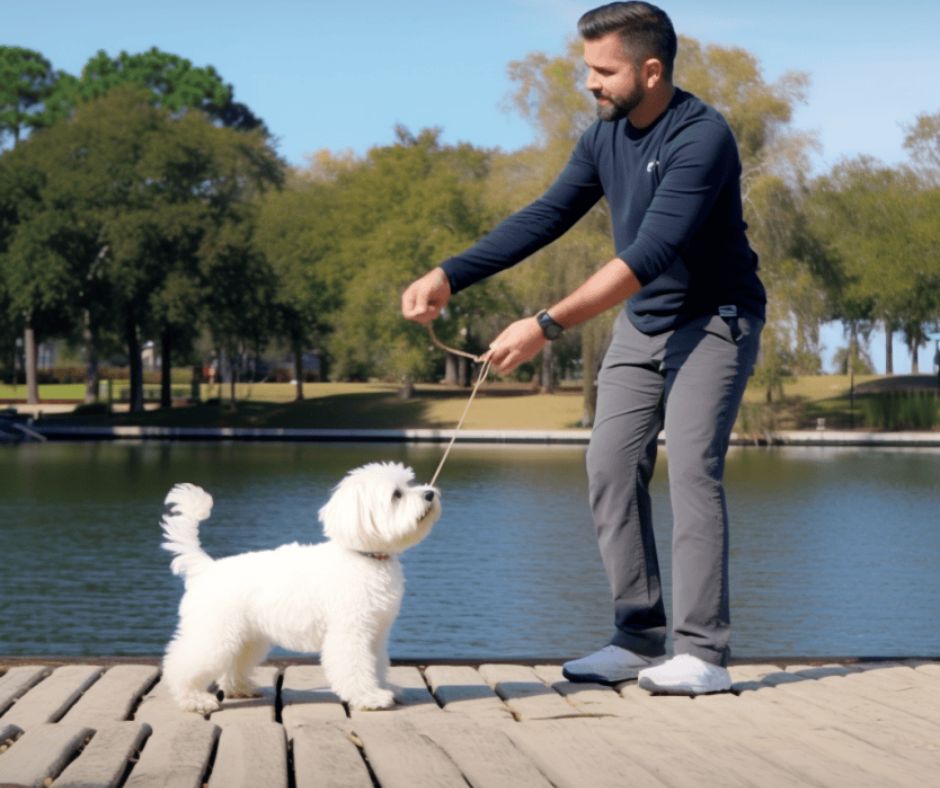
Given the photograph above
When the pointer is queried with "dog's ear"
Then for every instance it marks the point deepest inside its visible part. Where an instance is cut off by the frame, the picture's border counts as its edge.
(346, 516)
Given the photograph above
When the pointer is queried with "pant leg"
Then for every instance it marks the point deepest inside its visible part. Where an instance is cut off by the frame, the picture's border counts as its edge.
(707, 364)
(620, 461)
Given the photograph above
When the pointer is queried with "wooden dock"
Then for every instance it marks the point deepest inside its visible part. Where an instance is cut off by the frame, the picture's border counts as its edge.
(499, 725)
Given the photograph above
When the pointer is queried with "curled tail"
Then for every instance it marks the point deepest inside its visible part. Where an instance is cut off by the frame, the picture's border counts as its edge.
(190, 505)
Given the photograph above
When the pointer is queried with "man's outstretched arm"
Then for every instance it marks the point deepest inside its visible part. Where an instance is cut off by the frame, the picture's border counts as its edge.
(613, 284)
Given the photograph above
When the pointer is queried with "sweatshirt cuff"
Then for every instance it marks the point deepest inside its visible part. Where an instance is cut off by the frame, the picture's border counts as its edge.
(451, 268)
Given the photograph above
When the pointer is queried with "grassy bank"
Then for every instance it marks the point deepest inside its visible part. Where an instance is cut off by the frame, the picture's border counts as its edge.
(499, 405)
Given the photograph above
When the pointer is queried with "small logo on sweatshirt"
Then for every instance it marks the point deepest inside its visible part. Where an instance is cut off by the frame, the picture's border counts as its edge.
(653, 165)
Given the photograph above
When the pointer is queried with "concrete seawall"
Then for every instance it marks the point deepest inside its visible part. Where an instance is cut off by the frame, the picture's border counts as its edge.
(574, 437)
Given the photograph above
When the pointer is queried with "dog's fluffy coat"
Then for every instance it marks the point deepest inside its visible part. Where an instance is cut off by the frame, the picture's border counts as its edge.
(338, 598)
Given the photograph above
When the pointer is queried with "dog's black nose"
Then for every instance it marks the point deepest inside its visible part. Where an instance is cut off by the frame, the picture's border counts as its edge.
(429, 495)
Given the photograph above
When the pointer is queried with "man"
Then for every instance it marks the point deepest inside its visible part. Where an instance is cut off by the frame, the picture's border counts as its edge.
(681, 350)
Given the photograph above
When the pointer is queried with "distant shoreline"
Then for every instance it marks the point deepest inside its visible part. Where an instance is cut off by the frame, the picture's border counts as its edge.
(73, 432)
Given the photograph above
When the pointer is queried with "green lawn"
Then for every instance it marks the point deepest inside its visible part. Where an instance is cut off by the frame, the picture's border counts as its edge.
(499, 405)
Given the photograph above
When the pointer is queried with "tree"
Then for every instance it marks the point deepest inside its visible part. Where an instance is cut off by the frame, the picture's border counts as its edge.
(401, 210)
(880, 230)
(171, 81)
(922, 141)
(27, 81)
(130, 208)
(296, 234)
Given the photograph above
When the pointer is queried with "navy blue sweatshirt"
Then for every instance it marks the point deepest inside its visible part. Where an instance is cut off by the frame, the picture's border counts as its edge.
(675, 203)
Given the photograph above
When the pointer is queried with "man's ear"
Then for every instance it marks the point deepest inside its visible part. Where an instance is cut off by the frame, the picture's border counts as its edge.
(652, 72)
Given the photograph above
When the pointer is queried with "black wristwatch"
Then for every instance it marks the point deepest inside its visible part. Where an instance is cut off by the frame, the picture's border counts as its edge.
(550, 327)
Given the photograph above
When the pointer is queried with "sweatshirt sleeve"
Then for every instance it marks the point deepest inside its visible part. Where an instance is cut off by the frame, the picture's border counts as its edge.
(699, 164)
(577, 188)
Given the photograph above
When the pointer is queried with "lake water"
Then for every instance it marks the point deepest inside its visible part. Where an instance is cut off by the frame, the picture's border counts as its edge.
(835, 552)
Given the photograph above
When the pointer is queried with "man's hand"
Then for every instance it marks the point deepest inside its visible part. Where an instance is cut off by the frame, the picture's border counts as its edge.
(424, 298)
(519, 342)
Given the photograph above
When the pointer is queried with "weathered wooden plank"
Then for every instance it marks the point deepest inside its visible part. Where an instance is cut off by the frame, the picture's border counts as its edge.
(18, 680)
(895, 678)
(817, 746)
(326, 757)
(49, 700)
(112, 698)
(42, 753)
(400, 756)
(306, 698)
(587, 698)
(260, 709)
(412, 695)
(105, 760)
(158, 709)
(743, 744)
(482, 751)
(832, 702)
(176, 754)
(462, 689)
(867, 695)
(931, 669)
(525, 693)
(687, 759)
(572, 754)
(8, 735)
(250, 754)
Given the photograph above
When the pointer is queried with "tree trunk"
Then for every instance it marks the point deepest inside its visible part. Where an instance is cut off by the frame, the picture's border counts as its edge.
(451, 375)
(299, 371)
(31, 358)
(464, 372)
(914, 346)
(231, 376)
(889, 349)
(166, 369)
(547, 379)
(588, 377)
(195, 385)
(136, 366)
(91, 361)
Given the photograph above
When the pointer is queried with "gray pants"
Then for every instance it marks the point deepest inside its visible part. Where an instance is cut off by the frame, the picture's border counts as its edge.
(689, 381)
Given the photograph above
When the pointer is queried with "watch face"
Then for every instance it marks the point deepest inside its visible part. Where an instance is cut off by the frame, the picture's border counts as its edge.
(550, 328)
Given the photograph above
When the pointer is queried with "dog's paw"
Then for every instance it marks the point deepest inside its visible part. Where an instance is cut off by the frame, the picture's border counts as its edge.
(374, 701)
(240, 691)
(199, 703)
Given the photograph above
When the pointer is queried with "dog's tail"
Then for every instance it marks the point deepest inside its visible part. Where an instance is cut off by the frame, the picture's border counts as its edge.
(190, 505)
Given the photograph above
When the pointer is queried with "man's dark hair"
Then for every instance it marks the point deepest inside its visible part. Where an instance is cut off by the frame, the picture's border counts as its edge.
(646, 31)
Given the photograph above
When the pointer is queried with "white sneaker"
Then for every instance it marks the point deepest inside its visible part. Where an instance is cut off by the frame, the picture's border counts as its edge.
(611, 665)
(685, 674)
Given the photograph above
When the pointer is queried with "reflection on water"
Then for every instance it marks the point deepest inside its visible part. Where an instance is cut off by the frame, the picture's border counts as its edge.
(834, 551)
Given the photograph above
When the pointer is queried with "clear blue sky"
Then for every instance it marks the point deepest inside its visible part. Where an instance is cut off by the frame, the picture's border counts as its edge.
(328, 74)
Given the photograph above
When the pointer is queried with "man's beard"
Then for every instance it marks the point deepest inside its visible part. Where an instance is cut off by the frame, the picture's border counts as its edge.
(619, 107)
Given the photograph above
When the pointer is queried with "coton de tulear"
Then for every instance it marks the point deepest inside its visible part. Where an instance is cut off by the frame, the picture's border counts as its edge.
(338, 598)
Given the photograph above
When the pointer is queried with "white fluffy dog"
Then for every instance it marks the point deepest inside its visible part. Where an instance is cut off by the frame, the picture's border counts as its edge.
(339, 597)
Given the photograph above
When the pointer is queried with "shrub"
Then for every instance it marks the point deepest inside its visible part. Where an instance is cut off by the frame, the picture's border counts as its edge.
(902, 410)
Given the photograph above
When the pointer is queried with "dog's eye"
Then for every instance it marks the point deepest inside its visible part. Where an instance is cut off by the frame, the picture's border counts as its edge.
(396, 495)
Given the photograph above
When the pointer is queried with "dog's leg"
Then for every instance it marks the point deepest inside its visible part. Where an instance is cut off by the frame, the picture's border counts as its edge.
(236, 681)
(350, 664)
(187, 676)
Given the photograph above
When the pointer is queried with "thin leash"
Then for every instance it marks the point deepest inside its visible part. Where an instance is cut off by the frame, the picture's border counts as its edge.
(484, 371)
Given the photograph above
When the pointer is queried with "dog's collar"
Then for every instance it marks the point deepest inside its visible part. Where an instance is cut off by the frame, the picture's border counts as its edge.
(376, 556)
